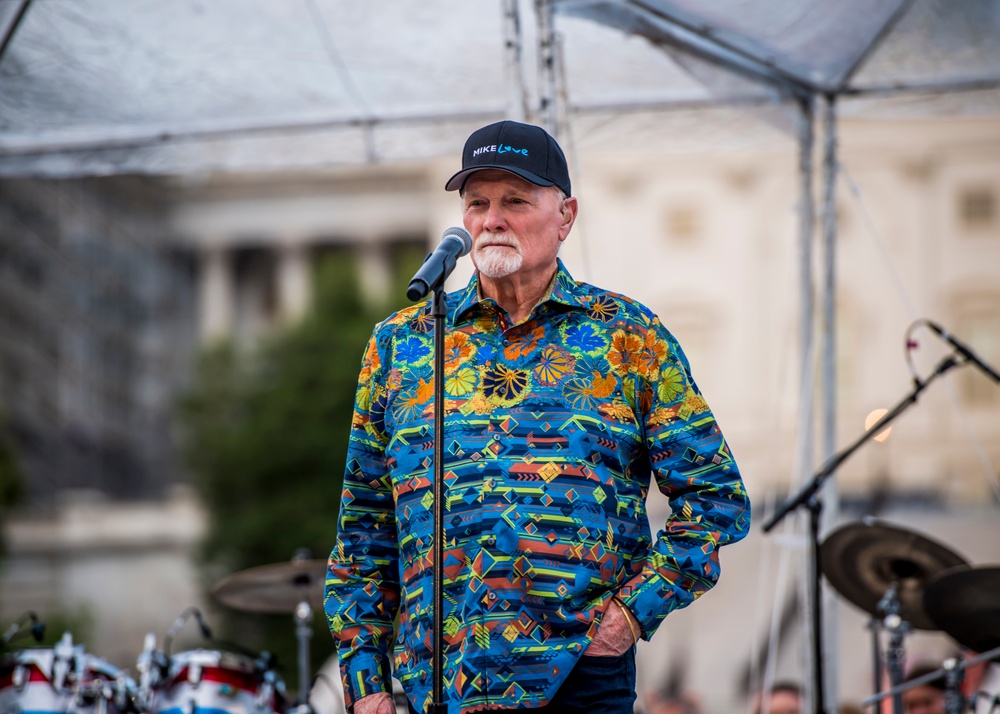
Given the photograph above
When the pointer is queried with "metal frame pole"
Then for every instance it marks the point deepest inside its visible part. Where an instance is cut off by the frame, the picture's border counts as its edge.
(8, 34)
(829, 304)
(806, 344)
(548, 94)
(830, 495)
(518, 92)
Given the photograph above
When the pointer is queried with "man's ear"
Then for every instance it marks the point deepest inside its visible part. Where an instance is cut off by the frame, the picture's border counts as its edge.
(569, 210)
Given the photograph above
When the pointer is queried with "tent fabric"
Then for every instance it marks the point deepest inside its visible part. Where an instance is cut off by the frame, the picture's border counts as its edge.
(91, 87)
(814, 42)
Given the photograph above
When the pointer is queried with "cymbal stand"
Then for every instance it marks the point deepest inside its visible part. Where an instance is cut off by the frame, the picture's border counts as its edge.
(898, 628)
(953, 671)
(954, 702)
(303, 633)
(875, 625)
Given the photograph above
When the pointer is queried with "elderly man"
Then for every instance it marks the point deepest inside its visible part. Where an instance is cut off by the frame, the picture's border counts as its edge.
(561, 400)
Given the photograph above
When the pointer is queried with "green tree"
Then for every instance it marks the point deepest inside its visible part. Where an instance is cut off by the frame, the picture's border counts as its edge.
(11, 485)
(265, 437)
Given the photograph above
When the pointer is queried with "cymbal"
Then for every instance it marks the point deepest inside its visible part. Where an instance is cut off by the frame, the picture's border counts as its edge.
(274, 589)
(965, 603)
(862, 560)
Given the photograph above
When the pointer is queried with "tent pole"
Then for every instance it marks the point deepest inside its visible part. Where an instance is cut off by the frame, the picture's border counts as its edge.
(806, 306)
(804, 455)
(830, 495)
(517, 102)
(547, 79)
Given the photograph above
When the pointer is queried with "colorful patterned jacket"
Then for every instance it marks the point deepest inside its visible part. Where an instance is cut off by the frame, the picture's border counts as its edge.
(552, 430)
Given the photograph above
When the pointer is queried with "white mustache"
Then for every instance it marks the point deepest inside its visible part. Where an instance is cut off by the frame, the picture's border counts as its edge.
(498, 239)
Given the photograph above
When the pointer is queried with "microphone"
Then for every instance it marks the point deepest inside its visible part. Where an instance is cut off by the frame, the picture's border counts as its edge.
(969, 355)
(179, 623)
(455, 243)
(206, 632)
(37, 628)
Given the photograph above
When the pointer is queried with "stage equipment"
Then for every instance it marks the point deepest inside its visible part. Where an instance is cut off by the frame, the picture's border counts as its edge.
(234, 680)
(17, 629)
(865, 561)
(987, 699)
(965, 603)
(455, 243)
(438, 265)
(215, 682)
(809, 495)
(952, 671)
(63, 680)
(883, 570)
(274, 589)
(295, 587)
(960, 347)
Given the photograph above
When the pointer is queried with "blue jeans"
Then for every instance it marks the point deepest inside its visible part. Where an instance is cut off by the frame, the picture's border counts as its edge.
(596, 685)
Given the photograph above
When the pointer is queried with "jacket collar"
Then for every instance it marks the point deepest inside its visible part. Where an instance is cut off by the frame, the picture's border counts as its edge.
(563, 290)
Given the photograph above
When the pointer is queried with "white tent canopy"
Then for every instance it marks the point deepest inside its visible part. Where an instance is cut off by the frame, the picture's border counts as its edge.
(90, 87)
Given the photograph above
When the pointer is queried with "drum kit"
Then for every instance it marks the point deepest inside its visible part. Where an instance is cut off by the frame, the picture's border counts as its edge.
(65, 679)
(908, 581)
(904, 580)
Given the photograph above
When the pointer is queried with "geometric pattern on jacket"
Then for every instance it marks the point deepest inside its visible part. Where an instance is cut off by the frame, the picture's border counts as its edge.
(555, 429)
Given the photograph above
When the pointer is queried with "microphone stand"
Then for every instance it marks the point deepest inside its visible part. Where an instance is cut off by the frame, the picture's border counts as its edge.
(438, 311)
(431, 276)
(808, 497)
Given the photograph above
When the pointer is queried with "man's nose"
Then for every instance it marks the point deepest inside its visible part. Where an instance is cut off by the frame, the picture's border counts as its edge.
(495, 220)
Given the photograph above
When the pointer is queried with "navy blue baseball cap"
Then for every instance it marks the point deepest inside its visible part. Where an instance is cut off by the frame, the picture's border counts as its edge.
(522, 149)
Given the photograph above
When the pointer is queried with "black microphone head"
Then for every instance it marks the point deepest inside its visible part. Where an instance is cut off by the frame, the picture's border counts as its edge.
(462, 235)
(416, 290)
(936, 328)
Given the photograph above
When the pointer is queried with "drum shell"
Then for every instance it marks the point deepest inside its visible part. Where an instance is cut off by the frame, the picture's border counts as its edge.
(37, 681)
(988, 697)
(216, 682)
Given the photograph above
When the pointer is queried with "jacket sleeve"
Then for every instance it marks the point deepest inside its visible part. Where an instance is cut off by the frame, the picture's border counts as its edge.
(362, 585)
(693, 466)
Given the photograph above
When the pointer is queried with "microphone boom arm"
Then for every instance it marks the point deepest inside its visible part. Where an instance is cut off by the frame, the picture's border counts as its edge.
(809, 491)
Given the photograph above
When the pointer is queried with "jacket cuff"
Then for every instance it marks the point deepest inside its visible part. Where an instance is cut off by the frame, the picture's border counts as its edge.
(650, 598)
(363, 674)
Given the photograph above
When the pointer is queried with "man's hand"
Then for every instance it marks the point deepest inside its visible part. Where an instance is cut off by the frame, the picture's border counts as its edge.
(378, 703)
(613, 636)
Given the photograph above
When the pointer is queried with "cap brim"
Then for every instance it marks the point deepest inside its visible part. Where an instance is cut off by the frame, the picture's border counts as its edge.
(456, 182)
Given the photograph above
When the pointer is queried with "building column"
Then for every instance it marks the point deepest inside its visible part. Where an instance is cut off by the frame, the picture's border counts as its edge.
(294, 281)
(374, 272)
(215, 294)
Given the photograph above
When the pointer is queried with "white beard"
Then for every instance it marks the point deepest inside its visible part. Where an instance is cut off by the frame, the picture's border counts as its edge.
(495, 262)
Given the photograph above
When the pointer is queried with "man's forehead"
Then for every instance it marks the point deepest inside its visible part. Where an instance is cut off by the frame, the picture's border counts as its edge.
(495, 179)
